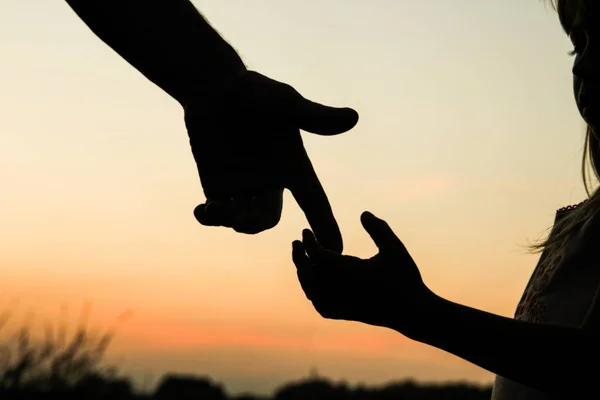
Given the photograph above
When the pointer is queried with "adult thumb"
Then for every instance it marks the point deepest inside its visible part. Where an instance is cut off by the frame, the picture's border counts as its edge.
(324, 120)
(385, 239)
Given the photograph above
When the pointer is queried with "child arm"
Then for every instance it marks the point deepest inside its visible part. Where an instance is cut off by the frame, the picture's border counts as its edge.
(547, 357)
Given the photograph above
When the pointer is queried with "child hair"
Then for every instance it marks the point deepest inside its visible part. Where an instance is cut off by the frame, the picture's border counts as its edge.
(568, 13)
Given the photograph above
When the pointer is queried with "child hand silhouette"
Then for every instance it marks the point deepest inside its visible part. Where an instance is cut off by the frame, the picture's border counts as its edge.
(385, 290)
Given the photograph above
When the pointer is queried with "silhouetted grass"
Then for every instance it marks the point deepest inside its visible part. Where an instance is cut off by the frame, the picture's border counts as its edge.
(56, 362)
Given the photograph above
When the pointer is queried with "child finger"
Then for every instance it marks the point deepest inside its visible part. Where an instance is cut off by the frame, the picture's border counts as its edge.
(299, 256)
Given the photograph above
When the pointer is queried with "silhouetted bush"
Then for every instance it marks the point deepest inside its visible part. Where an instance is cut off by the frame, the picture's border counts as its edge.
(188, 387)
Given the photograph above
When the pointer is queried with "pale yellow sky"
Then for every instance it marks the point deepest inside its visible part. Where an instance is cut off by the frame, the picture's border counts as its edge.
(468, 141)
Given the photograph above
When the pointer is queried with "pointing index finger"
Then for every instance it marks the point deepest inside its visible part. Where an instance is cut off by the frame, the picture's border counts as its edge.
(310, 196)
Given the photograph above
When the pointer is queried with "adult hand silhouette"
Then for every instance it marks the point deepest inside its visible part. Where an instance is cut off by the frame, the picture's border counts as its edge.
(247, 145)
(385, 290)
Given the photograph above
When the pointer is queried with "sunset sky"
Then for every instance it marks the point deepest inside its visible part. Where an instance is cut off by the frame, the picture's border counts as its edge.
(468, 142)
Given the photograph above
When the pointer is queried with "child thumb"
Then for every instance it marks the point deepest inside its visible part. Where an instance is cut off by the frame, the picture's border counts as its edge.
(380, 232)
(324, 120)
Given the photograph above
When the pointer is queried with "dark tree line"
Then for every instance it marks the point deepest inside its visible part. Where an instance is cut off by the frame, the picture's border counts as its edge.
(173, 387)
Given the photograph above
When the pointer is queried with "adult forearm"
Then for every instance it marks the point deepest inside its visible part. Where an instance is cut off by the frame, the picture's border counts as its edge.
(168, 41)
(542, 356)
